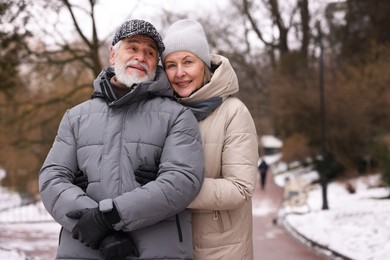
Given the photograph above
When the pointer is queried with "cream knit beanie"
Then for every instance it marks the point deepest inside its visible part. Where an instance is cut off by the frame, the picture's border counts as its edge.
(187, 35)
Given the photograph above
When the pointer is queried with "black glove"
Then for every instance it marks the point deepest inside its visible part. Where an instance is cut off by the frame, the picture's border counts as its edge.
(81, 180)
(146, 173)
(92, 227)
(118, 246)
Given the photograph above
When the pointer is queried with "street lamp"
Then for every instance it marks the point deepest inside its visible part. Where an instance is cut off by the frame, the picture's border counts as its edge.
(322, 170)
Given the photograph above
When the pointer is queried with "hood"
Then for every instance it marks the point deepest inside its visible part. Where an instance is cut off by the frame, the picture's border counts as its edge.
(223, 83)
(158, 87)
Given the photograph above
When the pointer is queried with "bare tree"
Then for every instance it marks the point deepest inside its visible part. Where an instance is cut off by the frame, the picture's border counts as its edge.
(56, 73)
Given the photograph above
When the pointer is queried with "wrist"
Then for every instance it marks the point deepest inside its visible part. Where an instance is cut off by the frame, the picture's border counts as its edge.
(113, 215)
(108, 208)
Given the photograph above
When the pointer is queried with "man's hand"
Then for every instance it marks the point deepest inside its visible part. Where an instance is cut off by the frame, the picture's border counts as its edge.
(92, 227)
(81, 180)
(118, 246)
(145, 174)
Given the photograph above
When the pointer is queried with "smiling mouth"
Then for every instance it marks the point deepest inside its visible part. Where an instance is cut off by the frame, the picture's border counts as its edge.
(140, 68)
(183, 84)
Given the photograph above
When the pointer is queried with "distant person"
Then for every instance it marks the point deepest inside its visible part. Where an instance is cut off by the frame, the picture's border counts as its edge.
(222, 212)
(263, 169)
(131, 123)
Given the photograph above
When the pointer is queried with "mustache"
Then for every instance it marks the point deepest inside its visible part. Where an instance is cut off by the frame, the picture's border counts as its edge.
(137, 63)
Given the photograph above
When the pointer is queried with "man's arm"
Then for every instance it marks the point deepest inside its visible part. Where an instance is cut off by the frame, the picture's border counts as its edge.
(180, 177)
(59, 194)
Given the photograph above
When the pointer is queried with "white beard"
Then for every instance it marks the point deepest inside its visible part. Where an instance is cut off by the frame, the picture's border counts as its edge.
(131, 78)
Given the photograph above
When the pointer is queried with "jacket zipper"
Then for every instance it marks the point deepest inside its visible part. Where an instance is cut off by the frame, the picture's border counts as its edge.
(217, 217)
(179, 228)
(59, 236)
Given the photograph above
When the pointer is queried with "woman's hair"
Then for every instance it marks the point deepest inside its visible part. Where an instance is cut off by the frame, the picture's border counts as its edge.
(207, 74)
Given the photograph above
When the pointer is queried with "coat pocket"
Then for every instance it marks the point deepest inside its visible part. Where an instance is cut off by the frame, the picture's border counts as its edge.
(223, 220)
(212, 222)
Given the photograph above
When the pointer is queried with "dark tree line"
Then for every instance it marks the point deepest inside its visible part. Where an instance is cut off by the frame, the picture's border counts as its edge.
(273, 46)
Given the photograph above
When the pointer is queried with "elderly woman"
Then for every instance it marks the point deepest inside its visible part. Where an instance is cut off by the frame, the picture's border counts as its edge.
(222, 211)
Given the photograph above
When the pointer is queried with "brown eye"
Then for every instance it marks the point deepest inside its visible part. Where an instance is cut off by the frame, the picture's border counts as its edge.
(151, 53)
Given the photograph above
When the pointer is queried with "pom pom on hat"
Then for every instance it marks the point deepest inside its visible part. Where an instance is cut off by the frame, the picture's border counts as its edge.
(138, 27)
(187, 35)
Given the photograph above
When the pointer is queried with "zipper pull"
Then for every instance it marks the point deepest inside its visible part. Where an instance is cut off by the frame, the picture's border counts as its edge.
(215, 216)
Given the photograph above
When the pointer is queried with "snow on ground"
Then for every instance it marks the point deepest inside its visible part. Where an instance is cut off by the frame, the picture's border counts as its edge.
(26, 232)
(356, 225)
(33, 241)
(11, 255)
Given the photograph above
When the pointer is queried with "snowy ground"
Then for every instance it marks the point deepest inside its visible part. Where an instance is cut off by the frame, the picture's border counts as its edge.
(26, 232)
(356, 225)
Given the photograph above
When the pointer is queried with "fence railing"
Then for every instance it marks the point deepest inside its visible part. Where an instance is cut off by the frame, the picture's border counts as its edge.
(15, 209)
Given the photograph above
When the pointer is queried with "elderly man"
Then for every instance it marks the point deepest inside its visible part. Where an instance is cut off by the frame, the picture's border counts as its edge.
(131, 123)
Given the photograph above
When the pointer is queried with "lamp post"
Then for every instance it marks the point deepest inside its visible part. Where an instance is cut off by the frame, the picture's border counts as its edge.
(323, 172)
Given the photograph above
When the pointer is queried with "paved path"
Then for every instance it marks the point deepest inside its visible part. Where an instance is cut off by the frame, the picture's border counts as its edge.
(271, 241)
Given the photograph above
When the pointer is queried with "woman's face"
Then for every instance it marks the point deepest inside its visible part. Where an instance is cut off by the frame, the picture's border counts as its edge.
(185, 72)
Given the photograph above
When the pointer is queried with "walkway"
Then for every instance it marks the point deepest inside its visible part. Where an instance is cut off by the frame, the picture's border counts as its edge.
(271, 241)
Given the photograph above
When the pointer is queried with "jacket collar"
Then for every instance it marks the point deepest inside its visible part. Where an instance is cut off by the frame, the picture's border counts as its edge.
(223, 82)
(104, 89)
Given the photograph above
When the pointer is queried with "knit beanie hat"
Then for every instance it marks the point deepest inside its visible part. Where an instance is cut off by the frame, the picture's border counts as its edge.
(137, 27)
(187, 35)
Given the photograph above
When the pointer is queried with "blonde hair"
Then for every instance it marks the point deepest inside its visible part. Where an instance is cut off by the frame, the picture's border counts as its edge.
(207, 74)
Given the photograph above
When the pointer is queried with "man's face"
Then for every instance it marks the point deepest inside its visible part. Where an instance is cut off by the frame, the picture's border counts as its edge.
(135, 60)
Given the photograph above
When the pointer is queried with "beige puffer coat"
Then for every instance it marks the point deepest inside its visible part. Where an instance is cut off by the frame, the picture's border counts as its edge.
(222, 211)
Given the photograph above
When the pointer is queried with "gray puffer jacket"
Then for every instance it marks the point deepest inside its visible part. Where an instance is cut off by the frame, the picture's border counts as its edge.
(108, 139)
